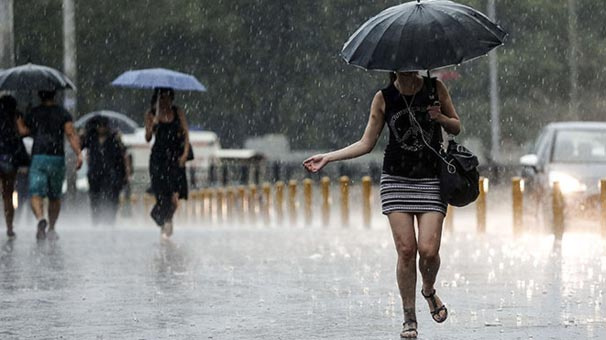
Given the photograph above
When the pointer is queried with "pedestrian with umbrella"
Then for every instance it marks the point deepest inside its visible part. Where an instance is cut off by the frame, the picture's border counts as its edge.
(108, 168)
(167, 125)
(48, 124)
(406, 39)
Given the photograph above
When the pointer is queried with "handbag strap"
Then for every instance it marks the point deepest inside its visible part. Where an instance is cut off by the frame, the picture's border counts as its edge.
(450, 167)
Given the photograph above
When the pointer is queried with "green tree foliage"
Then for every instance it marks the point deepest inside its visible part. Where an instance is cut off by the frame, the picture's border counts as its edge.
(274, 66)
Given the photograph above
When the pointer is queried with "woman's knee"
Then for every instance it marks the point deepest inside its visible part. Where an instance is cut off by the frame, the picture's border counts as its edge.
(406, 250)
(428, 251)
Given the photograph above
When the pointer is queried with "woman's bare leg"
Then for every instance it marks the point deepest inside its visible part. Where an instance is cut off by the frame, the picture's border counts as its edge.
(430, 237)
(8, 186)
(402, 228)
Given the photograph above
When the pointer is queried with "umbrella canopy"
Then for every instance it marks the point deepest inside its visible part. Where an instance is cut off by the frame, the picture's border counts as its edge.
(422, 35)
(158, 77)
(117, 121)
(30, 77)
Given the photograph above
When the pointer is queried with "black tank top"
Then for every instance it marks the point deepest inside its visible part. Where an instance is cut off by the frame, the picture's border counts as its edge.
(406, 155)
(168, 142)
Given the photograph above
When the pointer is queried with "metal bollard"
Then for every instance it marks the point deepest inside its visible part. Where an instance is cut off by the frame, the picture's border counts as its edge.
(220, 205)
(558, 210)
(603, 206)
(517, 192)
(191, 206)
(344, 181)
(241, 203)
(481, 206)
(279, 204)
(266, 202)
(449, 219)
(252, 203)
(307, 197)
(325, 200)
(366, 196)
(210, 196)
(292, 201)
(196, 203)
(231, 203)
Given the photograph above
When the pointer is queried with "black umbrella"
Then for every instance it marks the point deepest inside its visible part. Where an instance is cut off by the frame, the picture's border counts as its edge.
(32, 77)
(422, 35)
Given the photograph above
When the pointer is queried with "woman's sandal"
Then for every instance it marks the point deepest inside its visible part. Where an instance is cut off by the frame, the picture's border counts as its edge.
(407, 327)
(435, 313)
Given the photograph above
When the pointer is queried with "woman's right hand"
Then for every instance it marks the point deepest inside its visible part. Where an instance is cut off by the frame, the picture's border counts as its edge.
(315, 163)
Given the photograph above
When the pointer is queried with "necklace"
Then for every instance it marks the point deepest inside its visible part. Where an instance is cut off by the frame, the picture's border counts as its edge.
(408, 105)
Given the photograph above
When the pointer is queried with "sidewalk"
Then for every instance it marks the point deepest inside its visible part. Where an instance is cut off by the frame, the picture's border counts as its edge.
(213, 282)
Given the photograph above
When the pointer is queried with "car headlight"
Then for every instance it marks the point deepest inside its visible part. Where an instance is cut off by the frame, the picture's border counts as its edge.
(568, 184)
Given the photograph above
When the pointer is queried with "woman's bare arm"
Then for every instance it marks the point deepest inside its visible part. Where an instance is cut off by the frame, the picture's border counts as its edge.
(445, 114)
(376, 120)
(22, 129)
(185, 131)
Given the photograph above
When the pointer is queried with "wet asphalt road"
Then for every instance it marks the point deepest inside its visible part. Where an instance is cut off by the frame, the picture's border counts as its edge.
(222, 282)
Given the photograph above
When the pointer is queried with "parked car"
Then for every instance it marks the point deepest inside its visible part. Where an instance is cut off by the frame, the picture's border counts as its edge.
(574, 155)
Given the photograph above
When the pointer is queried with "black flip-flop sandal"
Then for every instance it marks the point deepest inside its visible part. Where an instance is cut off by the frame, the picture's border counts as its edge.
(407, 327)
(436, 310)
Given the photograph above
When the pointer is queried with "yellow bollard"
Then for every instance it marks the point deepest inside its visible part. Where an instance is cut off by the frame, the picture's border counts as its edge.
(449, 219)
(252, 203)
(603, 206)
(292, 201)
(210, 196)
(231, 203)
(481, 206)
(191, 206)
(202, 203)
(279, 204)
(366, 196)
(325, 200)
(517, 192)
(243, 205)
(220, 205)
(307, 196)
(344, 181)
(266, 202)
(558, 211)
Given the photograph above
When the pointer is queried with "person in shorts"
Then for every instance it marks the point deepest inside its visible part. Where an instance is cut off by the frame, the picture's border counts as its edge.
(48, 125)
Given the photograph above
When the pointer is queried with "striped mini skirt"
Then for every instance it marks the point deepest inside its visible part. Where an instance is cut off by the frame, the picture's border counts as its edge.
(410, 195)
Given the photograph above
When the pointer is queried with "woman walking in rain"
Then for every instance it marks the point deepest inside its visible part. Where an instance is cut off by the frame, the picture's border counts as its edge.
(12, 155)
(107, 169)
(410, 188)
(167, 124)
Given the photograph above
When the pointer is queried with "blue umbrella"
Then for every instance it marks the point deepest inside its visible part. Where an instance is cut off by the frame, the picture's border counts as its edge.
(158, 77)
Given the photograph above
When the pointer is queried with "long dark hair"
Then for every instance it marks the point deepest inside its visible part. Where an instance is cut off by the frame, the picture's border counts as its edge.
(392, 77)
(154, 98)
(8, 108)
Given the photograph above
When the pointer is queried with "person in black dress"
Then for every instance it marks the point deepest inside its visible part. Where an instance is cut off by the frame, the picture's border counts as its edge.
(12, 155)
(167, 124)
(107, 169)
(409, 183)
